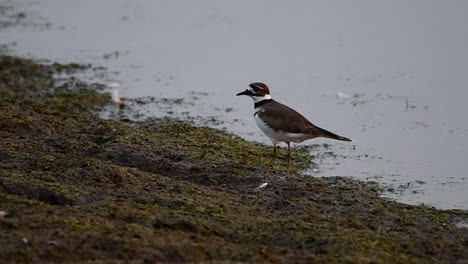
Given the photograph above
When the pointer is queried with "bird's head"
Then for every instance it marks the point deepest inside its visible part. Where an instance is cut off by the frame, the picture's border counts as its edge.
(257, 91)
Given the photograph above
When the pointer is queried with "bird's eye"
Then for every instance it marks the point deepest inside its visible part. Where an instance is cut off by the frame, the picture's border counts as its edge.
(255, 89)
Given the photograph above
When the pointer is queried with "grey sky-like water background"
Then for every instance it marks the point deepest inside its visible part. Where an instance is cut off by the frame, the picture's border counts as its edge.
(391, 75)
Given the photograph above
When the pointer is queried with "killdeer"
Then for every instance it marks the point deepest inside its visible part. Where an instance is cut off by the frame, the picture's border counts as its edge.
(281, 123)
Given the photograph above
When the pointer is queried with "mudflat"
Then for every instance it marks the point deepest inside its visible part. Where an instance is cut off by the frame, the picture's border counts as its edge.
(77, 188)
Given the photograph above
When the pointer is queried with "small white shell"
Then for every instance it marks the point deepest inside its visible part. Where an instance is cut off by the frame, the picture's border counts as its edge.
(261, 186)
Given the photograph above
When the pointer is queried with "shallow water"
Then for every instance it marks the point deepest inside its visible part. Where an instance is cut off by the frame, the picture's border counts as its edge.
(391, 75)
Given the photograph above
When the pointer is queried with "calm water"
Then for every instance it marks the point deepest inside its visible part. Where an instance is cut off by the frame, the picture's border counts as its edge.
(391, 75)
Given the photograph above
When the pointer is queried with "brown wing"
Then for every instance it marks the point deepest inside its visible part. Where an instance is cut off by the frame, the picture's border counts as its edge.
(281, 117)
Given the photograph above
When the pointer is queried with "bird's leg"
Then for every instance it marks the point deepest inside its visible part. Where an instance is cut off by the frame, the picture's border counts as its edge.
(274, 154)
(289, 158)
(272, 160)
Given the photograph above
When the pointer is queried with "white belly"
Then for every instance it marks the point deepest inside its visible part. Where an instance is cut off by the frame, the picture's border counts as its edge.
(279, 136)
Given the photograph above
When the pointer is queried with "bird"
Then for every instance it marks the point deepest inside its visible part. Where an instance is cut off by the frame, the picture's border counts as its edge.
(280, 123)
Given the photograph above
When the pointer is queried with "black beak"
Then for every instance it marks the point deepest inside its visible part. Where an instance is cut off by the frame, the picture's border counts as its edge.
(246, 92)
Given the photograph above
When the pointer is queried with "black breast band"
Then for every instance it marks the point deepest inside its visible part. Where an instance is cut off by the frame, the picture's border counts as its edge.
(257, 104)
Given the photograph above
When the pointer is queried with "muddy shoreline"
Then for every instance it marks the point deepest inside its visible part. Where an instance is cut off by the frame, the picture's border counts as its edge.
(77, 188)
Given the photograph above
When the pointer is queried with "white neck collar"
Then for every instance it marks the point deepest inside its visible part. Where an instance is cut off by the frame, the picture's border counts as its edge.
(260, 98)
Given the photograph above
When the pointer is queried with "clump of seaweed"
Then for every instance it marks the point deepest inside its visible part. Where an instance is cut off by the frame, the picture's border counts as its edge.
(76, 188)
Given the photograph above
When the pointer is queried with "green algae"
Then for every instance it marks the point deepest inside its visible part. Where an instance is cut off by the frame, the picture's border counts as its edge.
(76, 188)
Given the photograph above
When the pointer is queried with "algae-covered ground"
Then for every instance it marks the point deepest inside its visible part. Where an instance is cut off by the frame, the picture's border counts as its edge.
(78, 189)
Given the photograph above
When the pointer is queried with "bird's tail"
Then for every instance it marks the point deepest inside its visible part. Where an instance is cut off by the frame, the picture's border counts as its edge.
(328, 134)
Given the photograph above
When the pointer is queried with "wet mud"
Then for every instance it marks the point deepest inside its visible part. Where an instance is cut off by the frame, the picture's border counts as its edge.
(78, 188)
